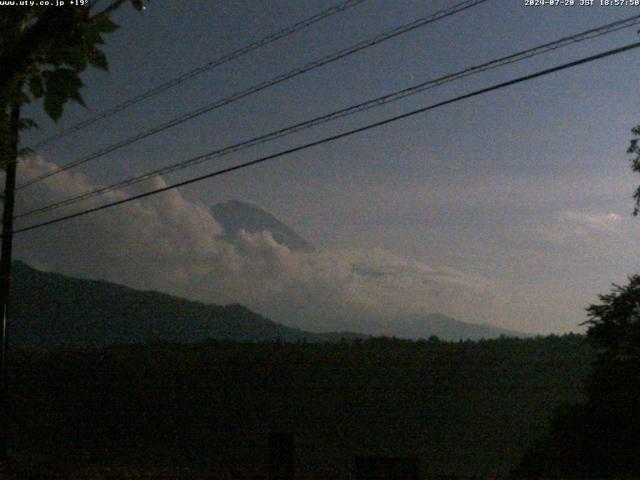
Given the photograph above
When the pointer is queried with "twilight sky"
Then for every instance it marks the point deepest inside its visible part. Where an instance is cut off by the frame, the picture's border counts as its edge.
(512, 208)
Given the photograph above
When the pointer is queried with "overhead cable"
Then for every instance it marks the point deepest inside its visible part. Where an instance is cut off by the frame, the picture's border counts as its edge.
(333, 138)
(351, 110)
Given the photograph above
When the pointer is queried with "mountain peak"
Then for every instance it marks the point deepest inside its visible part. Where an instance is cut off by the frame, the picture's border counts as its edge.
(237, 215)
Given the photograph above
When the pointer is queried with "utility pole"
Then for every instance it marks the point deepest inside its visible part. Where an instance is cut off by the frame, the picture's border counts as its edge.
(9, 156)
(42, 46)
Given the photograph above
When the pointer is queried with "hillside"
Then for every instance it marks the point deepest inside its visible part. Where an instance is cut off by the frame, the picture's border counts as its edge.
(442, 326)
(53, 310)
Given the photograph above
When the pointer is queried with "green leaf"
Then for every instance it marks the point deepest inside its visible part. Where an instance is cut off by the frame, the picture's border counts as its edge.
(76, 97)
(105, 25)
(23, 98)
(25, 151)
(97, 59)
(27, 124)
(53, 106)
(92, 35)
(62, 84)
(75, 56)
(36, 86)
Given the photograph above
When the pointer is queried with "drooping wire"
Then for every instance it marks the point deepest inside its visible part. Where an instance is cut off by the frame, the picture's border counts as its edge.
(338, 136)
(351, 110)
(458, 8)
(152, 92)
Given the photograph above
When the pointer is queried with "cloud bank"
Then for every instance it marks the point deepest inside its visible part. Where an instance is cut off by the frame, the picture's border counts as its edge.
(167, 243)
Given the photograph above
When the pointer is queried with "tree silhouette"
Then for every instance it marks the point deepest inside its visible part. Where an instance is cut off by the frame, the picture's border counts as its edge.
(634, 149)
(614, 325)
(599, 438)
(43, 50)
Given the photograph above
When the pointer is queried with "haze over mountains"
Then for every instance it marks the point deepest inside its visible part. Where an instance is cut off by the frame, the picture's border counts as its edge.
(174, 245)
(442, 326)
(235, 216)
(54, 310)
(50, 309)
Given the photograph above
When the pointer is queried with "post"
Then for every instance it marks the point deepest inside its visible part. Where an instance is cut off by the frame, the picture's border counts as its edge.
(281, 457)
(9, 156)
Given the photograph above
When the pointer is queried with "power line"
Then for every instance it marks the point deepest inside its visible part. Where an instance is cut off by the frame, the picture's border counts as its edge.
(285, 32)
(460, 7)
(376, 102)
(332, 138)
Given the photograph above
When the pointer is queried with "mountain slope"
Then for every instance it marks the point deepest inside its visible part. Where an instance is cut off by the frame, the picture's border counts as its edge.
(235, 215)
(442, 326)
(49, 309)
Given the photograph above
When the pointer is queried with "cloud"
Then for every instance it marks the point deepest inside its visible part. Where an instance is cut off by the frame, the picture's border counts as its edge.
(167, 243)
(574, 228)
(607, 222)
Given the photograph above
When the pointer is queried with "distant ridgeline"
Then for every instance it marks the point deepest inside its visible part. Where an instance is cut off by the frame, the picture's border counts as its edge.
(53, 310)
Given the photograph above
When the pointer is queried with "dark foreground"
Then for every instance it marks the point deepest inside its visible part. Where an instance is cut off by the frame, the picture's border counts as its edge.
(206, 410)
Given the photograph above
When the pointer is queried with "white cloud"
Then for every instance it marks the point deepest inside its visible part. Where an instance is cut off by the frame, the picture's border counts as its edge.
(167, 243)
(603, 222)
(588, 228)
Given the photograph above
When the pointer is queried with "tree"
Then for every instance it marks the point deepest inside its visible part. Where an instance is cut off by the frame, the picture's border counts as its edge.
(634, 149)
(43, 51)
(598, 438)
(614, 324)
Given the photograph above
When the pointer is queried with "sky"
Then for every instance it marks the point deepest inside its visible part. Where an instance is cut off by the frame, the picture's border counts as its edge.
(512, 208)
